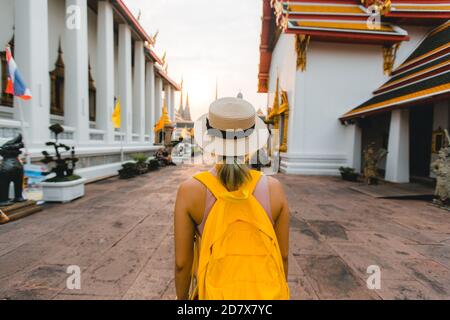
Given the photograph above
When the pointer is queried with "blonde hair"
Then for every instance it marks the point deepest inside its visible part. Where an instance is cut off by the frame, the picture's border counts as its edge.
(234, 175)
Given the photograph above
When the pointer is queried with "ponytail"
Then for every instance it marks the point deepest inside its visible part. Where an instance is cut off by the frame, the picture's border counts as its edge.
(233, 176)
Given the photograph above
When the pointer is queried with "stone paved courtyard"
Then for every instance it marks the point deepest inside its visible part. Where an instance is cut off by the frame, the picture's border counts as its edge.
(121, 236)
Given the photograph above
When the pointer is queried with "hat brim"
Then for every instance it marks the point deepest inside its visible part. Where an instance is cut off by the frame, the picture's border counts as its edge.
(230, 147)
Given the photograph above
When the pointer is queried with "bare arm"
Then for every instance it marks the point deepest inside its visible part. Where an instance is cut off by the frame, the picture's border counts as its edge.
(184, 243)
(280, 210)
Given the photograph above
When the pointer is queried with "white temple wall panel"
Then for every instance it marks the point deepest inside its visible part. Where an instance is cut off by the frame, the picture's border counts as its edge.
(105, 81)
(125, 81)
(150, 111)
(31, 54)
(6, 27)
(354, 147)
(139, 91)
(93, 42)
(76, 91)
(397, 163)
(6, 21)
(158, 98)
(6, 34)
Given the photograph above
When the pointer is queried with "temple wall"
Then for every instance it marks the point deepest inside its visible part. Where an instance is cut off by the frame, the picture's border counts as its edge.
(338, 77)
(6, 27)
(99, 149)
(92, 42)
(56, 30)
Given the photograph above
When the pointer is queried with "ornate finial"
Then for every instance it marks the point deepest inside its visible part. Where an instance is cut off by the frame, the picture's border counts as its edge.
(60, 61)
(301, 46)
(153, 38)
(389, 55)
(59, 46)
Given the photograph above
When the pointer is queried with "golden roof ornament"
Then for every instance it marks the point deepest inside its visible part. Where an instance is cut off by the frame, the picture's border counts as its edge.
(164, 120)
(382, 6)
(389, 55)
(282, 19)
(301, 47)
(163, 59)
(153, 38)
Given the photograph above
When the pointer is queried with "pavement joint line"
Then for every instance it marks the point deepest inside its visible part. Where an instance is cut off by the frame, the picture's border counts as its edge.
(145, 264)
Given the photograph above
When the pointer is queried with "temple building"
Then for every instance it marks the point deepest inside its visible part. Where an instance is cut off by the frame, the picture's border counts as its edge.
(79, 57)
(183, 120)
(343, 74)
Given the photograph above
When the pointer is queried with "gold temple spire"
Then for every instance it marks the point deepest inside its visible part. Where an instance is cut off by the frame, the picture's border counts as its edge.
(164, 120)
(187, 110)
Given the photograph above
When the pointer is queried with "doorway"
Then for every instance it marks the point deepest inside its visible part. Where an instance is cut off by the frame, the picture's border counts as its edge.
(421, 131)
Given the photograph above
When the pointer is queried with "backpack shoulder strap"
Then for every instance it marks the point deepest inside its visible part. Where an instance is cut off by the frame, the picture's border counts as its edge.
(217, 189)
(212, 183)
(251, 185)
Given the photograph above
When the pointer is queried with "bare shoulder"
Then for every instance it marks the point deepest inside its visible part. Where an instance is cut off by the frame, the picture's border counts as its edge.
(277, 197)
(191, 187)
(275, 186)
(191, 198)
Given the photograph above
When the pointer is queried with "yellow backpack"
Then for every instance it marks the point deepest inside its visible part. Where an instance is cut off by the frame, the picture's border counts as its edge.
(239, 256)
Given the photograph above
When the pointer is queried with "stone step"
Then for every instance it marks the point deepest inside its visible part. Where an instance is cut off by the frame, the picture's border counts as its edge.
(17, 206)
(20, 210)
(25, 212)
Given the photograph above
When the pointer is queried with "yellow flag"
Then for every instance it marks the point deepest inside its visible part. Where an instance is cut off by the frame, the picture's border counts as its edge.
(116, 115)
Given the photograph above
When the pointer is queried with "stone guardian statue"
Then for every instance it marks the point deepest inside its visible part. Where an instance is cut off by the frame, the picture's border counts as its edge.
(11, 171)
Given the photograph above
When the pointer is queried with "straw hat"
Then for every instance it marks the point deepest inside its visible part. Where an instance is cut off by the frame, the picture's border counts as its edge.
(231, 128)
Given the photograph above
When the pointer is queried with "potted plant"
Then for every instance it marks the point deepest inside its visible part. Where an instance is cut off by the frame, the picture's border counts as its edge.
(348, 174)
(153, 165)
(64, 185)
(141, 163)
(128, 171)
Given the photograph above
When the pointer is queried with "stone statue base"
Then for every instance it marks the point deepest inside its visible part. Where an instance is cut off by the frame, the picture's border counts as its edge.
(18, 211)
(3, 218)
(439, 204)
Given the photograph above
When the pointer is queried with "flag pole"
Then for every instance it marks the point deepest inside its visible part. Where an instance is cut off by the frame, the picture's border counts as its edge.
(122, 156)
(24, 133)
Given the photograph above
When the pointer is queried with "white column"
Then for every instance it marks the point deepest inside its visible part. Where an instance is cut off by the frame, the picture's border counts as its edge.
(139, 90)
(158, 98)
(172, 103)
(76, 88)
(167, 97)
(397, 164)
(125, 78)
(31, 55)
(355, 145)
(150, 101)
(105, 73)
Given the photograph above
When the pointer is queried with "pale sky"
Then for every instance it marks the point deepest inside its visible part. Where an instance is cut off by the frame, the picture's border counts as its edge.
(205, 40)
